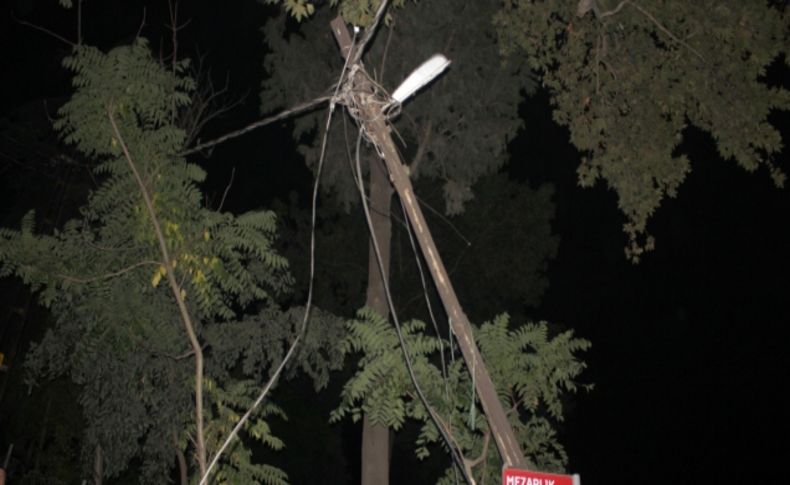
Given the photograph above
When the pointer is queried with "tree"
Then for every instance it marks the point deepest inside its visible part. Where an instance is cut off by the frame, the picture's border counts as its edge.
(122, 335)
(628, 77)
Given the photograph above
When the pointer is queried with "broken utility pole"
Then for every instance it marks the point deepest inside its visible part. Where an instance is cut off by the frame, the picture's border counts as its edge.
(373, 122)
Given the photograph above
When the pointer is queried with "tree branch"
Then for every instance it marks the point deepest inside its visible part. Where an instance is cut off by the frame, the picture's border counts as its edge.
(666, 30)
(234, 432)
(176, 290)
(201, 111)
(227, 189)
(383, 63)
(108, 275)
(360, 48)
(483, 453)
(300, 108)
(613, 11)
(422, 148)
(142, 24)
(647, 14)
(42, 29)
(79, 22)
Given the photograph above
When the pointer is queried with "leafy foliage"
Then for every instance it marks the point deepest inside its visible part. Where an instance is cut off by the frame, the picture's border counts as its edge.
(362, 12)
(383, 377)
(531, 371)
(117, 333)
(228, 406)
(626, 78)
(298, 9)
(260, 341)
(358, 12)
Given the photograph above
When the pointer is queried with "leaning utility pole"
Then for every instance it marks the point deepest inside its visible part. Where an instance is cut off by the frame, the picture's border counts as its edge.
(372, 120)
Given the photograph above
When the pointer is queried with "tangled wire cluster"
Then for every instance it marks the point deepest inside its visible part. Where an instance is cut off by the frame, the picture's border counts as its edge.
(360, 94)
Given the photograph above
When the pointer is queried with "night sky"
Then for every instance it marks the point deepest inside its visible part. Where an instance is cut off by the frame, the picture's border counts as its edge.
(689, 356)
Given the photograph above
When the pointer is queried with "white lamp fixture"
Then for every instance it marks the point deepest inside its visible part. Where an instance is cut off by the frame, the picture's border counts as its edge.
(421, 76)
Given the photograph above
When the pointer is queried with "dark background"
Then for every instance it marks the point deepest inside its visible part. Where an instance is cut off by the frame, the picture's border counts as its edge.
(689, 356)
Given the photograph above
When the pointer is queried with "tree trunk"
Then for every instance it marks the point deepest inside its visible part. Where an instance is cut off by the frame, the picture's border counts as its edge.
(376, 437)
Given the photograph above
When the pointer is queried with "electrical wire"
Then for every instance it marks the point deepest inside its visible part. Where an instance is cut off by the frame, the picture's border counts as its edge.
(455, 450)
(428, 302)
(308, 305)
(433, 319)
(359, 48)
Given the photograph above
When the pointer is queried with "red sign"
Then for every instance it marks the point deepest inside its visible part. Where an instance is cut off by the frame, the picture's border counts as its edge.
(514, 476)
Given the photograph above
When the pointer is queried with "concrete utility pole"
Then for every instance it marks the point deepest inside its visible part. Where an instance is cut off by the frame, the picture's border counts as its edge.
(374, 123)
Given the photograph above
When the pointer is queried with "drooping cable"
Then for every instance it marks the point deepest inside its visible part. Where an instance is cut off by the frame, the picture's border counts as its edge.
(360, 48)
(445, 376)
(454, 448)
(427, 301)
(308, 304)
(404, 222)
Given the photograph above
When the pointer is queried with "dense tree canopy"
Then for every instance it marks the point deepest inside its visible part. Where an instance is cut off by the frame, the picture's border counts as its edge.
(628, 77)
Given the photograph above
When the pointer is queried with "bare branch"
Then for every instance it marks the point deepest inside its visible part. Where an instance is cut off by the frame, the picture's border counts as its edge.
(176, 358)
(384, 55)
(483, 453)
(609, 12)
(666, 30)
(360, 47)
(227, 189)
(207, 104)
(109, 275)
(42, 29)
(142, 24)
(234, 432)
(422, 147)
(79, 22)
(307, 106)
(173, 10)
(650, 16)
